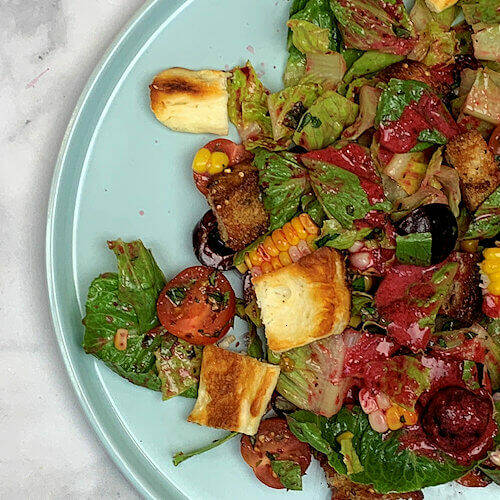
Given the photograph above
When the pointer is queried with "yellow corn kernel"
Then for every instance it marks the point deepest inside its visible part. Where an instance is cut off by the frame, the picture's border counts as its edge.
(280, 240)
(308, 224)
(248, 262)
(218, 162)
(492, 253)
(393, 416)
(120, 340)
(469, 245)
(270, 247)
(275, 262)
(494, 288)
(290, 234)
(255, 258)
(311, 241)
(266, 267)
(201, 160)
(299, 228)
(490, 266)
(285, 258)
(410, 417)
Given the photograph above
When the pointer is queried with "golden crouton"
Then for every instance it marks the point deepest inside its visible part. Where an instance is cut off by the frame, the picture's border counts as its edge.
(479, 173)
(236, 202)
(191, 101)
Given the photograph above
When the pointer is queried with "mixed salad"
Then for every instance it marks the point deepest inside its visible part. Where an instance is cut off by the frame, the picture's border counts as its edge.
(383, 152)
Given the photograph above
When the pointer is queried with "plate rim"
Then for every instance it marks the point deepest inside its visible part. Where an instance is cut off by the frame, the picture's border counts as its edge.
(91, 414)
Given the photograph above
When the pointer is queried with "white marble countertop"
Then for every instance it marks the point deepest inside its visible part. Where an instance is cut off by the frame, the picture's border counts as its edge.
(48, 49)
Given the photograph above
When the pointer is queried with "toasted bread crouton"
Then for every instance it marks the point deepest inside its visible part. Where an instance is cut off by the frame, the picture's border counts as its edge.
(465, 299)
(304, 301)
(191, 101)
(234, 390)
(413, 70)
(237, 204)
(439, 5)
(479, 173)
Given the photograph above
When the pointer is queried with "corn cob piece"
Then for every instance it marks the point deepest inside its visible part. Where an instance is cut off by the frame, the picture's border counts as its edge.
(282, 247)
(491, 268)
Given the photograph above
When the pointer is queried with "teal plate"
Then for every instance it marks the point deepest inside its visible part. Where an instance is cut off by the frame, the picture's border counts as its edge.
(121, 173)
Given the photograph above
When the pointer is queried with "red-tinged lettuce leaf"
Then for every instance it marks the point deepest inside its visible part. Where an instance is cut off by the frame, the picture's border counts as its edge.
(140, 280)
(387, 465)
(323, 123)
(284, 182)
(375, 25)
(345, 182)
(402, 378)
(409, 298)
(325, 69)
(486, 221)
(311, 377)
(105, 314)
(368, 101)
(247, 108)
(178, 364)
(411, 118)
(483, 99)
(408, 170)
(287, 106)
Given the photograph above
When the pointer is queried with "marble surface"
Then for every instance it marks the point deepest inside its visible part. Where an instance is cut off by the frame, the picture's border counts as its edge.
(48, 49)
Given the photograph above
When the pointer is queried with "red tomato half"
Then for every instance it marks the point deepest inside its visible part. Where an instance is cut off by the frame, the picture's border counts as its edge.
(474, 479)
(235, 152)
(274, 438)
(198, 305)
(494, 142)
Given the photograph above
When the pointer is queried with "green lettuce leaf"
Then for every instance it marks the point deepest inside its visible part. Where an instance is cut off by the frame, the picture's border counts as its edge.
(483, 99)
(386, 466)
(370, 62)
(326, 70)
(247, 108)
(333, 235)
(105, 314)
(287, 106)
(414, 249)
(295, 67)
(324, 121)
(178, 364)
(140, 280)
(308, 37)
(312, 207)
(284, 182)
(351, 459)
(486, 43)
(289, 473)
(486, 222)
(480, 11)
(375, 25)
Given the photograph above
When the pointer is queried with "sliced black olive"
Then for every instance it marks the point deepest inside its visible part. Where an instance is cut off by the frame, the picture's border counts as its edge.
(434, 218)
(208, 246)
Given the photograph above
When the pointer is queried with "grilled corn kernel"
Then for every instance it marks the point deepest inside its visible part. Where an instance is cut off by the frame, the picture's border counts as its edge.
(120, 340)
(275, 262)
(270, 247)
(280, 241)
(285, 258)
(393, 416)
(494, 287)
(218, 162)
(266, 267)
(201, 160)
(492, 253)
(469, 245)
(299, 228)
(308, 224)
(290, 234)
(410, 417)
(491, 267)
(255, 258)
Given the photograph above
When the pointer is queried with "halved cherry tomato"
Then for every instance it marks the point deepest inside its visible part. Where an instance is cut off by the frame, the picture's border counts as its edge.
(235, 152)
(198, 305)
(494, 142)
(273, 438)
(474, 479)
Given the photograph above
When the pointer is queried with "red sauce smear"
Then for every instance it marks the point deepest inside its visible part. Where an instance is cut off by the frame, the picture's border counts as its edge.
(357, 160)
(401, 135)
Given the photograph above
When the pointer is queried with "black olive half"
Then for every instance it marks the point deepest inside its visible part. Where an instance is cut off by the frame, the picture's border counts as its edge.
(208, 246)
(434, 218)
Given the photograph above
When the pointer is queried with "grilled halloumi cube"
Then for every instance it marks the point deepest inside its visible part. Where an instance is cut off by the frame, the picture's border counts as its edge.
(191, 101)
(234, 391)
(304, 301)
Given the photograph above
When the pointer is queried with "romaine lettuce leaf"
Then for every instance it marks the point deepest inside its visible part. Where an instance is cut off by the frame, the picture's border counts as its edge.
(375, 25)
(284, 181)
(308, 37)
(178, 364)
(486, 222)
(325, 69)
(370, 62)
(140, 280)
(480, 11)
(247, 108)
(345, 182)
(105, 314)
(414, 248)
(333, 235)
(486, 43)
(368, 102)
(483, 99)
(287, 106)
(295, 67)
(324, 121)
(386, 465)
